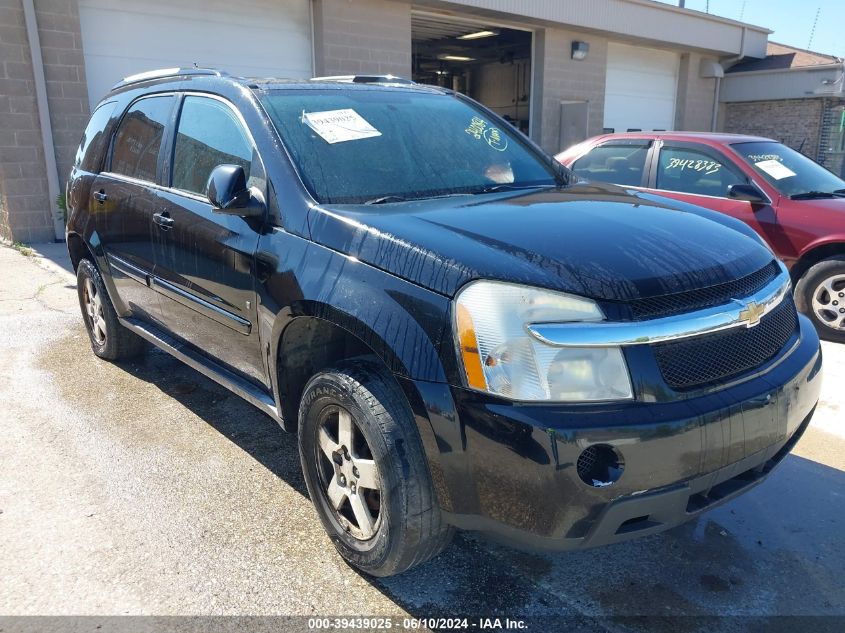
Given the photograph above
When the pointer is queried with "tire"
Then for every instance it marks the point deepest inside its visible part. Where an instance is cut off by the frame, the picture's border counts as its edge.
(407, 528)
(109, 339)
(820, 294)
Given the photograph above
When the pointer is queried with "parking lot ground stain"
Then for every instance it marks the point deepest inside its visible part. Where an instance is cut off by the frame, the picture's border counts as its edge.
(471, 581)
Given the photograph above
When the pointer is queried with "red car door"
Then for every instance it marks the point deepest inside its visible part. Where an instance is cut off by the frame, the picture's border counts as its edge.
(701, 174)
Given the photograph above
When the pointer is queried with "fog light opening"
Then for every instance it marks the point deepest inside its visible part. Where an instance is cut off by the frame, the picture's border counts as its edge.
(600, 465)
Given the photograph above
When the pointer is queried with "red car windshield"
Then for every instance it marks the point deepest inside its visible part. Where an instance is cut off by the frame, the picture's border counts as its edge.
(788, 171)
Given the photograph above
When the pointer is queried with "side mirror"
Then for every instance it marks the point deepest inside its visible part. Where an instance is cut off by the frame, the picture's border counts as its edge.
(749, 193)
(228, 194)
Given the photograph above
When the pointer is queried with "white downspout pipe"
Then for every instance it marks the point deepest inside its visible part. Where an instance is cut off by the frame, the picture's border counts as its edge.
(53, 188)
(726, 63)
(715, 116)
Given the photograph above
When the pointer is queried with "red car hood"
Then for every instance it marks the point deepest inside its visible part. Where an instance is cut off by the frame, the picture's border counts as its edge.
(836, 206)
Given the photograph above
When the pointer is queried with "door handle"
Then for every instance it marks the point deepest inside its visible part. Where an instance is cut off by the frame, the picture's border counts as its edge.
(100, 196)
(163, 219)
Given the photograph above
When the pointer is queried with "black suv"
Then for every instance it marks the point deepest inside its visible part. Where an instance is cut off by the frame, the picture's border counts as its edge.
(462, 334)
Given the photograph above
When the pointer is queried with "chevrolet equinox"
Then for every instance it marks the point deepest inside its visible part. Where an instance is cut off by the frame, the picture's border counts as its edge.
(462, 333)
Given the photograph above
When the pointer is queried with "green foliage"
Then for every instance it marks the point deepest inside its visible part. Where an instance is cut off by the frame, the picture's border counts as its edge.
(23, 249)
(61, 203)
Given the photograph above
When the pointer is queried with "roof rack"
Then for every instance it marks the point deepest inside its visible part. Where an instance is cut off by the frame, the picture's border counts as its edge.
(366, 79)
(166, 72)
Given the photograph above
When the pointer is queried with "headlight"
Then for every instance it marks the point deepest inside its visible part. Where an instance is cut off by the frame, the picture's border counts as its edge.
(500, 357)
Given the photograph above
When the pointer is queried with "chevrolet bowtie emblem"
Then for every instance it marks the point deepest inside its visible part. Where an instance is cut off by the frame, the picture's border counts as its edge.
(752, 314)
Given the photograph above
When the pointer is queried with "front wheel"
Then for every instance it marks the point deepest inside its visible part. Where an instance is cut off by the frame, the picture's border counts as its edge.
(820, 294)
(366, 471)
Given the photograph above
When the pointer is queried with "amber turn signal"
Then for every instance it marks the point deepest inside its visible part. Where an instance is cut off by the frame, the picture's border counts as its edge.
(469, 350)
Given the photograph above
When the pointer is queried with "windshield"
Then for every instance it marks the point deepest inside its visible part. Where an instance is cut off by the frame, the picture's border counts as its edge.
(788, 171)
(356, 146)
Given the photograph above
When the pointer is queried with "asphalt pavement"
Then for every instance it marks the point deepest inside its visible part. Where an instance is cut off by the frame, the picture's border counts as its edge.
(142, 488)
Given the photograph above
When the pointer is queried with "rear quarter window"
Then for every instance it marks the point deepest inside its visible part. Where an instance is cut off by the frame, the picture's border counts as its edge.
(89, 155)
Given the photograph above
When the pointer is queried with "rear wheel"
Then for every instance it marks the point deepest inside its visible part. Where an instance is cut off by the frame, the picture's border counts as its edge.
(109, 339)
(366, 471)
(820, 294)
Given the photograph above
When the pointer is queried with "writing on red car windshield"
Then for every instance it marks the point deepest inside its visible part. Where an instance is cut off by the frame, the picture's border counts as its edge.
(706, 166)
(756, 158)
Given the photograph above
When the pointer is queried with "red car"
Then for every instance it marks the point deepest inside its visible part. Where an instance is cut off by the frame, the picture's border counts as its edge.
(796, 205)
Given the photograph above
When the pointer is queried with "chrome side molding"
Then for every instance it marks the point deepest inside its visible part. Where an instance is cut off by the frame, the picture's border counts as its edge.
(745, 312)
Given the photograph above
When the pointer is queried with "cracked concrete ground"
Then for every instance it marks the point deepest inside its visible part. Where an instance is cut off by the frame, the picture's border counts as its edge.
(143, 488)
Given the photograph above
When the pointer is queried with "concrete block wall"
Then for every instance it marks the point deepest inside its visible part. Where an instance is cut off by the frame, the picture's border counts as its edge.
(64, 72)
(25, 203)
(362, 36)
(794, 122)
(560, 78)
(694, 105)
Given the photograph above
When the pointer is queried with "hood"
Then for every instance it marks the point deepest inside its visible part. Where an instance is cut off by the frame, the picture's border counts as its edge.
(835, 207)
(596, 241)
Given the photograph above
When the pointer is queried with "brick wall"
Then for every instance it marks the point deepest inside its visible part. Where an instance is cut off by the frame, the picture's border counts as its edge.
(560, 78)
(793, 122)
(25, 204)
(362, 36)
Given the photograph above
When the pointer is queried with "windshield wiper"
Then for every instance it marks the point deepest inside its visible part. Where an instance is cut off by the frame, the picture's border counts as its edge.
(505, 187)
(386, 200)
(480, 190)
(393, 198)
(810, 195)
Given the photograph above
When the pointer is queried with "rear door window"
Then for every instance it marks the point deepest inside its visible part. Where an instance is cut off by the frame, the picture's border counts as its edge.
(614, 163)
(688, 170)
(138, 140)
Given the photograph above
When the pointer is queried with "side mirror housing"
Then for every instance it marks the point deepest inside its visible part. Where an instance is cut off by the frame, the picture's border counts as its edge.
(748, 192)
(228, 193)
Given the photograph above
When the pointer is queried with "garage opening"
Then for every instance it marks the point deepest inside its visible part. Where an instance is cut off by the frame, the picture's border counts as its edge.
(488, 63)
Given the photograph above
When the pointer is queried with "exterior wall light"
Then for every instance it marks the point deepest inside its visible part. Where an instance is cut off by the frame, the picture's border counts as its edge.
(580, 50)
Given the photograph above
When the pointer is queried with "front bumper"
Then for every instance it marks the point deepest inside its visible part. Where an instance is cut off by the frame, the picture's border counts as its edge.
(510, 469)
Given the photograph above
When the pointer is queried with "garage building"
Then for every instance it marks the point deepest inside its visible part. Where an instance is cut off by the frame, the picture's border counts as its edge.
(559, 71)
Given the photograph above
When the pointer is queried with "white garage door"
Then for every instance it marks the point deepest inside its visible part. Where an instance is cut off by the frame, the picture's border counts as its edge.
(641, 87)
(248, 37)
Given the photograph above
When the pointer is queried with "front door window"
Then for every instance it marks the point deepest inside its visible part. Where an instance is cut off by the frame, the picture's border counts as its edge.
(687, 170)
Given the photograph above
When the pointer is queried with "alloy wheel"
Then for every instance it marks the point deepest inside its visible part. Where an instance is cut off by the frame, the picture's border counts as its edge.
(348, 474)
(829, 302)
(94, 310)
